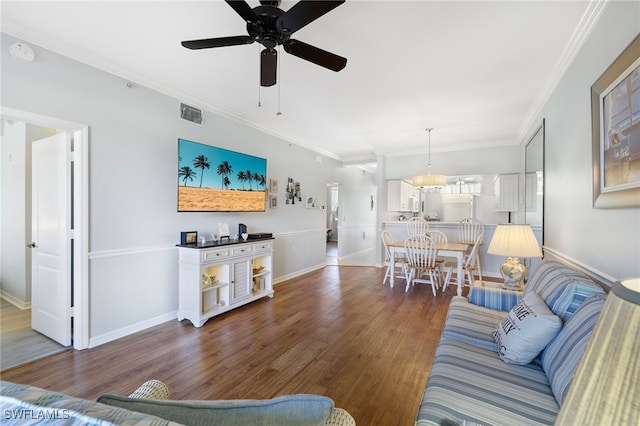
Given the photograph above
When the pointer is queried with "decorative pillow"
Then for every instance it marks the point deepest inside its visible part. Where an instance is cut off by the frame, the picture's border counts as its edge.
(562, 288)
(303, 410)
(561, 357)
(526, 331)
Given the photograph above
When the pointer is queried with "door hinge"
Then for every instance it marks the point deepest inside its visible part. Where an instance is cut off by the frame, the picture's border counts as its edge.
(72, 312)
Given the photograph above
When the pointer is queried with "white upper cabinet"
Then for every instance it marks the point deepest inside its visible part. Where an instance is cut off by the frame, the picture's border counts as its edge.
(401, 196)
(506, 188)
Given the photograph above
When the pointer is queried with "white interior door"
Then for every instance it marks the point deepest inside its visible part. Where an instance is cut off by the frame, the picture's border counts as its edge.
(51, 246)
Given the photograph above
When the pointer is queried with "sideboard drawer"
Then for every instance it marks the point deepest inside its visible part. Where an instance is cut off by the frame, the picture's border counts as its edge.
(260, 247)
(241, 250)
(209, 255)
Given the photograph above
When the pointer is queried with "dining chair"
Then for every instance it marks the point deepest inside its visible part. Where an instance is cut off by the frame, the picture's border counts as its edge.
(440, 238)
(417, 226)
(421, 260)
(400, 260)
(468, 266)
(469, 230)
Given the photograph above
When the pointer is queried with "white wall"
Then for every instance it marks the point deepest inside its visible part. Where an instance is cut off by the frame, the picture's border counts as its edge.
(487, 161)
(134, 225)
(15, 270)
(607, 241)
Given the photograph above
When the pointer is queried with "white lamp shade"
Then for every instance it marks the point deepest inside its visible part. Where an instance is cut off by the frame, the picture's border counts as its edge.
(514, 241)
(423, 181)
(606, 386)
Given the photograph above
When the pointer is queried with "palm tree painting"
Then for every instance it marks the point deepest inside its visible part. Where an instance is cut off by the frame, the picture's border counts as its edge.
(185, 173)
(220, 189)
(201, 162)
(224, 170)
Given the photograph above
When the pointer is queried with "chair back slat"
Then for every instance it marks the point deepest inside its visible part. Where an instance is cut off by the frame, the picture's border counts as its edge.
(439, 237)
(469, 230)
(417, 226)
(421, 252)
(386, 240)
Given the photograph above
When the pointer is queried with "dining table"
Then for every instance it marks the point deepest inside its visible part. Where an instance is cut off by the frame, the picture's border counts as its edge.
(457, 250)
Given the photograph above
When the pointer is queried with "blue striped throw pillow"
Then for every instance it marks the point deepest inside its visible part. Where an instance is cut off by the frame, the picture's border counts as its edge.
(561, 357)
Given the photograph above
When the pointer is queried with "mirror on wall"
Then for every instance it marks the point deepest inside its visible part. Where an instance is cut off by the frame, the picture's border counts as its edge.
(534, 180)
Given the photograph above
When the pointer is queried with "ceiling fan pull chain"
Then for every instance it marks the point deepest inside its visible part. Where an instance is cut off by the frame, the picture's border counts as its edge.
(259, 85)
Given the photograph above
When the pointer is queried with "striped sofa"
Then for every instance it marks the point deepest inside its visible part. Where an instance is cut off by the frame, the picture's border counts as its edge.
(470, 384)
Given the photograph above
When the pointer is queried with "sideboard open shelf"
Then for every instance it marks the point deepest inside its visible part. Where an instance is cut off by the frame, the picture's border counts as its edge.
(216, 278)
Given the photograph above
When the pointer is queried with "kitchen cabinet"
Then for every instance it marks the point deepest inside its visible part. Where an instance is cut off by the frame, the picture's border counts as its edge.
(506, 189)
(401, 197)
(216, 279)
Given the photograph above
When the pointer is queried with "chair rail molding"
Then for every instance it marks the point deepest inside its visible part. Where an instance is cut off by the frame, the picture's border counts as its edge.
(600, 277)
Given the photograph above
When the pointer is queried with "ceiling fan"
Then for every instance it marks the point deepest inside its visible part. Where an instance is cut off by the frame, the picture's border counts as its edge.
(271, 26)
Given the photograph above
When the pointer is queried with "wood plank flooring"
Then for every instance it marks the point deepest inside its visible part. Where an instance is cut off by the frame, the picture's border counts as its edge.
(336, 332)
(19, 343)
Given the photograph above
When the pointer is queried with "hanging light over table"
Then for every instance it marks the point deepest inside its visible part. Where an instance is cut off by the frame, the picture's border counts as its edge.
(429, 180)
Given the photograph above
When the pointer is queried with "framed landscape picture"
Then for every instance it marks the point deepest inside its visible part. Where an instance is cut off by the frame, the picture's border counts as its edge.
(615, 116)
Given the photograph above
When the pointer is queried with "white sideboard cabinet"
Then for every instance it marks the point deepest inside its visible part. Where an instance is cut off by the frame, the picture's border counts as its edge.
(215, 279)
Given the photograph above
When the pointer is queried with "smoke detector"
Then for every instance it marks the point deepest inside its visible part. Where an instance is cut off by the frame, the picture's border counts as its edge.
(22, 52)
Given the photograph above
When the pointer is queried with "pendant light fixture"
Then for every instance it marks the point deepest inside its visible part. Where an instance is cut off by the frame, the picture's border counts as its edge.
(429, 180)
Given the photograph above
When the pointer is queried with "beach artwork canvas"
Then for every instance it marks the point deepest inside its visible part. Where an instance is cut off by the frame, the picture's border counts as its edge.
(214, 179)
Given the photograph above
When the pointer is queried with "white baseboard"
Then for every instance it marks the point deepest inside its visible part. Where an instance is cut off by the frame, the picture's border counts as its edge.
(134, 328)
(20, 304)
(298, 273)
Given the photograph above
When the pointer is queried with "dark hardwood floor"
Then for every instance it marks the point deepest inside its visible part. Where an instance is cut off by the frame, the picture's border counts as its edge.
(336, 332)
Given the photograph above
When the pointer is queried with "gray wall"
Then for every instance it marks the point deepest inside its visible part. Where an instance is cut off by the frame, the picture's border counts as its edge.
(605, 241)
(134, 225)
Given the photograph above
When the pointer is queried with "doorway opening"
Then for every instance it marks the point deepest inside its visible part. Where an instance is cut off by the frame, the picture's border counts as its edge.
(19, 294)
(332, 223)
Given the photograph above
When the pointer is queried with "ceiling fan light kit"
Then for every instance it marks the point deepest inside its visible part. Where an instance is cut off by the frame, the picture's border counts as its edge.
(272, 27)
(429, 180)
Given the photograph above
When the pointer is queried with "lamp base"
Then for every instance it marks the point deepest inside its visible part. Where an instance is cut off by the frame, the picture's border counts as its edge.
(513, 272)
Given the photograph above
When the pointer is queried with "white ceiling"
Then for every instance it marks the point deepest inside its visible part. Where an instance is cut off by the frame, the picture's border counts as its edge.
(476, 71)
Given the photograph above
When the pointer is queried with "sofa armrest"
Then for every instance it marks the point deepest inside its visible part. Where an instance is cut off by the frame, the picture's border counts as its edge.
(494, 296)
(157, 390)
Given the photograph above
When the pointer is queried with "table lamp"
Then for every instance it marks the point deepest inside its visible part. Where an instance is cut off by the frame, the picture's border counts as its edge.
(605, 389)
(514, 241)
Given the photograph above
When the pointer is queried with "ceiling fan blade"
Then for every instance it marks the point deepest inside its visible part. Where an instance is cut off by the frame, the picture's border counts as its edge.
(304, 12)
(314, 54)
(268, 67)
(217, 42)
(244, 10)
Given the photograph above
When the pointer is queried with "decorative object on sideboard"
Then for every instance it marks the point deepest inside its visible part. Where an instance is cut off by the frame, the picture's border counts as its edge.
(223, 230)
(429, 180)
(615, 136)
(514, 241)
(189, 237)
(605, 388)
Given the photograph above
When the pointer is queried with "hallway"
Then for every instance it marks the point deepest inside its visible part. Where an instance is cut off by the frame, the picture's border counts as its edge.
(363, 258)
